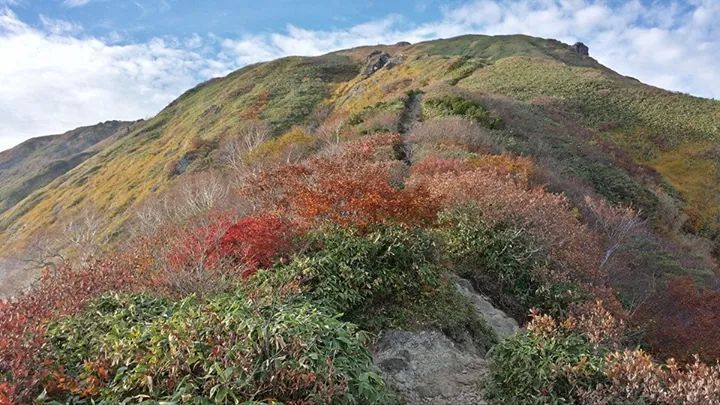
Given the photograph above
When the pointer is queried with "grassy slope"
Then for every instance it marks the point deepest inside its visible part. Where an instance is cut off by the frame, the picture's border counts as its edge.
(125, 172)
(659, 128)
(36, 162)
(286, 91)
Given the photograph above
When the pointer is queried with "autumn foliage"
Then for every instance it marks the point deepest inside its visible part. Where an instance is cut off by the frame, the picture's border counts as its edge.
(682, 321)
(358, 186)
(518, 231)
(500, 187)
(60, 292)
(239, 247)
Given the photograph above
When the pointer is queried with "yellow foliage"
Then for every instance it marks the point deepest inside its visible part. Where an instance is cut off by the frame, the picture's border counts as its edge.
(516, 166)
(278, 148)
(692, 171)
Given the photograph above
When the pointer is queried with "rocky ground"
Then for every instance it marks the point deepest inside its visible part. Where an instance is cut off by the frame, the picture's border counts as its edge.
(426, 367)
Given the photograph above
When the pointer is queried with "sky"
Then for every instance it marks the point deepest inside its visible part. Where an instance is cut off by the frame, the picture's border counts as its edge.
(68, 63)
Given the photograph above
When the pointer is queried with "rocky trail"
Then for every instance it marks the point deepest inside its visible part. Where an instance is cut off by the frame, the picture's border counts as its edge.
(410, 116)
(427, 367)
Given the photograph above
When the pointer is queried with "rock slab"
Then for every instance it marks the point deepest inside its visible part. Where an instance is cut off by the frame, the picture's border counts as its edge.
(499, 321)
(427, 367)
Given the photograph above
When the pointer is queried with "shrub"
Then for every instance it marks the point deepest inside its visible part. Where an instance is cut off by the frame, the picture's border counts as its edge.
(358, 186)
(385, 278)
(357, 274)
(682, 321)
(578, 361)
(546, 364)
(456, 105)
(448, 135)
(60, 292)
(290, 147)
(255, 241)
(242, 245)
(393, 106)
(572, 249)
(433, 165)
(635, 378)
(504, 262)
(228, 349)
(616, 185)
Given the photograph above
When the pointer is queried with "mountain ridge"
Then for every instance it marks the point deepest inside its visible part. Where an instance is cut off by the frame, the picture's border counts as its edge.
(37, 161)
(216, 108)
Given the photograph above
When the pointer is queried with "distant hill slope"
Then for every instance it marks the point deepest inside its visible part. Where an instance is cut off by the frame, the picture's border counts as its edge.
(38, 161)
(591, 123)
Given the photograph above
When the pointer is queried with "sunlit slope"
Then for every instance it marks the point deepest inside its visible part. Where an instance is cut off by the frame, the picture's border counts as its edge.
(675, 134)
(36, 162)
(654, 126)
(282, 92)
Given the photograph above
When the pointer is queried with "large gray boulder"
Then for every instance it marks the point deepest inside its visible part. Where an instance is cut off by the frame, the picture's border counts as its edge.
(426, 367)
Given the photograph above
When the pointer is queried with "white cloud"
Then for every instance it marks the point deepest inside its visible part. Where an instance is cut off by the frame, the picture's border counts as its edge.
(75, 3)
(670, 46)
(59, 27)
(58, 81)
(60, 78)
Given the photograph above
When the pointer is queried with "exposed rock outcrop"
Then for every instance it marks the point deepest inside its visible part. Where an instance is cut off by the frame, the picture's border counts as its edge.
(375, 61)
(581, 48)
(499, 321)
(426, 367)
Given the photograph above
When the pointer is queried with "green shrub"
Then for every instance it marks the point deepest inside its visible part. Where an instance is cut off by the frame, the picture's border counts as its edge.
(392, 106)
(383, 279)
(447, 311)
(547, 368)
(503, 262)
(133, 348)
(455, 105)
(616, 185)
(354, 273)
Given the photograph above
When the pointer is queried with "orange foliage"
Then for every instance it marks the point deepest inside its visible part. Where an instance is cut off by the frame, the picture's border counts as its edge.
(433, 165)
(505, 165)
(357, 186)
(546, 216)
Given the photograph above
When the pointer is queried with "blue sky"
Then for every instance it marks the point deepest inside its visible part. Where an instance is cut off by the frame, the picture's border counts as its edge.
(143, 19)
(66, 63)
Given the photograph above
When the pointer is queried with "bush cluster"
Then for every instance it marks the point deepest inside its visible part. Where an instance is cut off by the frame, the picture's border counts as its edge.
(450, 105)
(505, 263)
(578, 361)
(388, 277)
(228, 349)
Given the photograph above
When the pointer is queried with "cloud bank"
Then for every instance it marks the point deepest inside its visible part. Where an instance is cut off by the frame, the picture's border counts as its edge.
(59, 78)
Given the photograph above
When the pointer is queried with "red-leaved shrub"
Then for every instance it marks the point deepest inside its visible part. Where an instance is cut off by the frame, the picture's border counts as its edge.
(360, 184)
(254, 241)
(61, 292)
(682, 321)
(239, 246)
